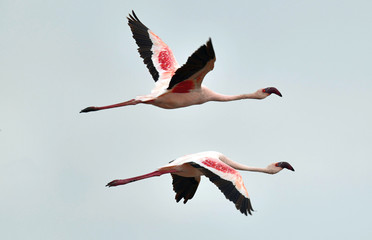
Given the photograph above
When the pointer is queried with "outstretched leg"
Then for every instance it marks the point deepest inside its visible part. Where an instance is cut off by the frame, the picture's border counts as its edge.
(130, 102)
(133, 179)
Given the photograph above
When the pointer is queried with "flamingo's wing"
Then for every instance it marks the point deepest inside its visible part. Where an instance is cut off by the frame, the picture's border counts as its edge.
(228, 180)
(192, 73)
(157, 56)
(185, 187)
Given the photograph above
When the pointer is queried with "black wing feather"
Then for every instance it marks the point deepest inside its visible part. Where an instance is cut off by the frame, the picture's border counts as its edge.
(242, 203)
(185, 187)
(195, 63)
(141, 35)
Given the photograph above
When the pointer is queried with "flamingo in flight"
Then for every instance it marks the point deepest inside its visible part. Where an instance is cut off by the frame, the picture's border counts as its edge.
(220, 170)
(176, 86)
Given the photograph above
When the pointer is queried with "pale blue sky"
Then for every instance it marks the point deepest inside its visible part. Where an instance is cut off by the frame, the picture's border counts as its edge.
(59, 57)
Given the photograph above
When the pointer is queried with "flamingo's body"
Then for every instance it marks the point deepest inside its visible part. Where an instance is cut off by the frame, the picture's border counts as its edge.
(187, 170)
(176, 86)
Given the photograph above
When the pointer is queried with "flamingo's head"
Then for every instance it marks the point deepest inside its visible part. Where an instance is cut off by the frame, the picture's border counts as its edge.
(279, 166)
(265, 92)
(284, 165)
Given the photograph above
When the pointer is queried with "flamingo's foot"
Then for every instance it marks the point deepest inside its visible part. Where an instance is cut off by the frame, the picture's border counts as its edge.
(89, 109)
(112, 183)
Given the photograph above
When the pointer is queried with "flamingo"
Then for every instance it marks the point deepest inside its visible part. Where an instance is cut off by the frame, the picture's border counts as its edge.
(187, 170)
(175, 86)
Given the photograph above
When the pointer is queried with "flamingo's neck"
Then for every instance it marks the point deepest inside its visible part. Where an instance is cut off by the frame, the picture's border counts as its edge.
(243, 167)
(226, 98)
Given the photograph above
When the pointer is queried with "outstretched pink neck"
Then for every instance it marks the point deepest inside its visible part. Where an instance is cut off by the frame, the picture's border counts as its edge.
(238, 97)
(243, 167)
(226, 98)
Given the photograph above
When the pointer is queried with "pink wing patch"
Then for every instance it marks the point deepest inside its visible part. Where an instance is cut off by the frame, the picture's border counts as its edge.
(162, 57)
(184, 87)
(219, 166)
(165, 60)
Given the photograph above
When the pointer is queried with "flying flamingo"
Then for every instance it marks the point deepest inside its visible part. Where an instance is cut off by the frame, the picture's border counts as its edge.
(176, 86)
(186, 172)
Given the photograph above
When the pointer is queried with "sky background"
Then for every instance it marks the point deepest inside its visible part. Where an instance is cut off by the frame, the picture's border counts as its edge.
(58, 57)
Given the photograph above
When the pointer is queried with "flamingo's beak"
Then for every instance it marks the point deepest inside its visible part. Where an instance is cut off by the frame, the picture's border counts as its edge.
(285, 165)
(271, 90)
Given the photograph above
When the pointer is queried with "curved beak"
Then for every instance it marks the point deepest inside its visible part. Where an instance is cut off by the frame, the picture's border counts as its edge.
(285, 165)
(271, 90)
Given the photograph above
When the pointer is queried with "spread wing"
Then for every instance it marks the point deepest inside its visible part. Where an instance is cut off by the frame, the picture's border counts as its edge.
(185, 187)
(192, 73)
(157, 56)
(228, 180)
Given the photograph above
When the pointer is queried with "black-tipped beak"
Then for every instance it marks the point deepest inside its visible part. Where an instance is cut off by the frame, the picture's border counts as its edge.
(285, 165)
(271, 90)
